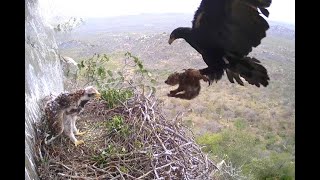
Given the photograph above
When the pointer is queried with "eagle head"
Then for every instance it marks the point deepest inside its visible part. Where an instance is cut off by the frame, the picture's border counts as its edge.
(90, 92)
(87, 94)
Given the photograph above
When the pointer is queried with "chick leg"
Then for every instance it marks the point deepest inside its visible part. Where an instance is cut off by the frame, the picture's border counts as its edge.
(69, 131)
(74, 128)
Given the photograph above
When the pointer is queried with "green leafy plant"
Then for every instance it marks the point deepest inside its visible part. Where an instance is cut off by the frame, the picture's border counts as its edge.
(69, 25)
(94, 69)
(113, 97)
(102, 158)
(115, 85)
(246, 152)
(116, 124)
(144, 77)
(276, 166)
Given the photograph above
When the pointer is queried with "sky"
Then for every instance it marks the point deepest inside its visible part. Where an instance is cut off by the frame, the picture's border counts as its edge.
(280, 10)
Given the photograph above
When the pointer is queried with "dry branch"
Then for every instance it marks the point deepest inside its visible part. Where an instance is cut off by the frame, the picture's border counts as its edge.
(151, 147)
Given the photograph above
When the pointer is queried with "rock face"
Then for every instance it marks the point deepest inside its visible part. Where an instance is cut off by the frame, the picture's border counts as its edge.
(69, 66)
(43, 75)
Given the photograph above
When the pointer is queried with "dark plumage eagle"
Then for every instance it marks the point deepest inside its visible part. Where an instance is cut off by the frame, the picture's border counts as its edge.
(224, 33)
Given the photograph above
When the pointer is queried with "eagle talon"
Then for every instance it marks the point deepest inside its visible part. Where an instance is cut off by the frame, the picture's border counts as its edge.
(78, 133)
(78, 143)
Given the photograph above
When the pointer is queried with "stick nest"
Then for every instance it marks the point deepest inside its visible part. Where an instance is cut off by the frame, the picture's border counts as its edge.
(131, 141)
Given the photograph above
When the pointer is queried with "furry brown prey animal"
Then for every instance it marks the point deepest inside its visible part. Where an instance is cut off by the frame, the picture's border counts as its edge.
(189, 82)
(61, 113)
(224, 33)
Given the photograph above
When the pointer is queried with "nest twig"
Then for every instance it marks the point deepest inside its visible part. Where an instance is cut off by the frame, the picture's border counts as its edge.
(145, 146)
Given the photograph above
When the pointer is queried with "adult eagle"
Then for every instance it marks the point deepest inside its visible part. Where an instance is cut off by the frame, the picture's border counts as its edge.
(224, 33)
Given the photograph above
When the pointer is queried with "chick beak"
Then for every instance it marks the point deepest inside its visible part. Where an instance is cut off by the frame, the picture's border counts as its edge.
(171, 40)
(97, 95)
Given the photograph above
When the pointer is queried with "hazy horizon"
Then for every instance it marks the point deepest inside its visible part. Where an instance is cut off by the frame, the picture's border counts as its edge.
(280, 11)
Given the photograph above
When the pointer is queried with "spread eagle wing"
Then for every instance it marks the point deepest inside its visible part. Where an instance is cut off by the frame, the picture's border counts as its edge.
(234, 25)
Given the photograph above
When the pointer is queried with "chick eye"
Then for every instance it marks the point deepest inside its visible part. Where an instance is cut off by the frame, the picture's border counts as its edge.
(90, 95)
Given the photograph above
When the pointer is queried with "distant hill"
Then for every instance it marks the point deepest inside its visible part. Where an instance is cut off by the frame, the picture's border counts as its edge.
(146, 35)
(136, 23)
(162, 23)
(282, 30)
